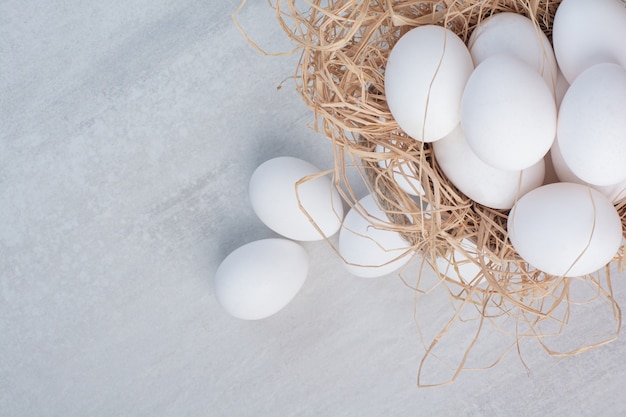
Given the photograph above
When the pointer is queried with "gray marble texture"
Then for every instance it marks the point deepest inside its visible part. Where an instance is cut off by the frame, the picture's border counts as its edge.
(128, 133)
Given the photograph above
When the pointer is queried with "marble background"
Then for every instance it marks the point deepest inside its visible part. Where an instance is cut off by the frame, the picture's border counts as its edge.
(128, 133)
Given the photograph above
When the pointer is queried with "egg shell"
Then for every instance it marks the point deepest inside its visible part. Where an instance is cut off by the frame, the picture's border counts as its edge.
(508, 113)
(489, 186)
(404, 173)
(615, 193)
(592, 125)
(516, 35)
(274, 199)
(260, 278)
(424, 79)
(368, 248)
(565, 229)
(586, 33)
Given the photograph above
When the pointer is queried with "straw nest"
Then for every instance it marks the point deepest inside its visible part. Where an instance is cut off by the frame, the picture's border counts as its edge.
(344, 46)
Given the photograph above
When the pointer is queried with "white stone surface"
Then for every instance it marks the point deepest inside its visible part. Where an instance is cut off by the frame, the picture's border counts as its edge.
(128, 132)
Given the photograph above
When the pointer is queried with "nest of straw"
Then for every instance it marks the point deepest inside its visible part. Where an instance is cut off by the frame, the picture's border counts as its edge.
(344, 47)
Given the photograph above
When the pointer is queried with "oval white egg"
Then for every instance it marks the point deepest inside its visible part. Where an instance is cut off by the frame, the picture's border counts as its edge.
(586, 33)
(424, 79)
(274, 198)
(260, 278)
(489, 186)
(508, 113)
(615, 192)
(516, 35)
(592, 123)
(404, 173)
(565, 229)
(368, 247)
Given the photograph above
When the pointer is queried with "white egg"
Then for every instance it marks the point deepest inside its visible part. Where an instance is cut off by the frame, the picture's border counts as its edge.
(592, 123)
(489, 186)
(508, 113)
(260, 278)
(458, 266)
(615, 192)
(404, 173)
(424, 79)
(367, 245)
(515, 35)
(586, 33)
(565, 229)
(274, 198)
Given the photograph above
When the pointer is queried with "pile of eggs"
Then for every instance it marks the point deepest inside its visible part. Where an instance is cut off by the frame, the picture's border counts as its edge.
(517, 125)
(513, 123)
(260, 278)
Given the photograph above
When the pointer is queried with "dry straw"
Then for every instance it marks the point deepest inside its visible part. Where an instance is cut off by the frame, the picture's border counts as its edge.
(344, 45)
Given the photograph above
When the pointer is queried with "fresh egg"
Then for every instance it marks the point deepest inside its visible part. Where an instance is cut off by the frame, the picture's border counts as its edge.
(260, 278)
(516, 35)
(508, 113)
(489, 186)
(458, 266)
(274, 199)
(615, 192)
(404, 173)
(565, 229)
(424, 79)
(589, 32)
(367, 245)
(592, 125)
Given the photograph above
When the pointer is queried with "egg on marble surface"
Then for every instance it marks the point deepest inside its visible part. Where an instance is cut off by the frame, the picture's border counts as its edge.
(508, 113)
(592, 125)
(565, 229)
(514, 34)
(586, 33)
(424, 80)
(489, 186)
(404, 173)
(366, 244)
(260, 278)
(274, 198)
